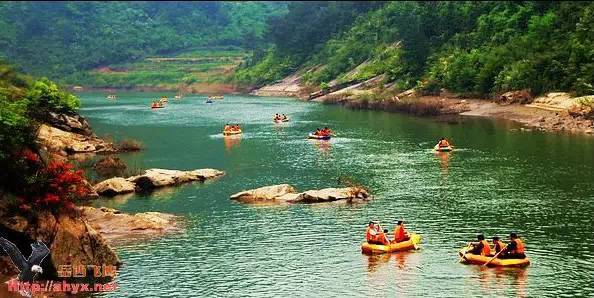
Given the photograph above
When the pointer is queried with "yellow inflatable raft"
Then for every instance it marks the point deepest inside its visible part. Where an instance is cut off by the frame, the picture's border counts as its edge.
(410, 244)
(481, 260)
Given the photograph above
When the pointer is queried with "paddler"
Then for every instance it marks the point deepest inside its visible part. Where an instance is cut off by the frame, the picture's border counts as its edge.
(400, 233)
(374, 234)
(498, 245)
(443, 143)
(482, 247)
(515, 248)
(370, 232)
(383, 237)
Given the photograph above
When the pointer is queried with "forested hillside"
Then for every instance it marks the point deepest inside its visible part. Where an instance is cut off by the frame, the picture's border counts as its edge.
(476, 48)
(58, 39)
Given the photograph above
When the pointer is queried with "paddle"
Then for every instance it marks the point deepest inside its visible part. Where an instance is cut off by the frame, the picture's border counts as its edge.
(464, 253)
(495, 256)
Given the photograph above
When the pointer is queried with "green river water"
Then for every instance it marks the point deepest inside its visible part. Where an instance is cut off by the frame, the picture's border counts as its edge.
(498, 180)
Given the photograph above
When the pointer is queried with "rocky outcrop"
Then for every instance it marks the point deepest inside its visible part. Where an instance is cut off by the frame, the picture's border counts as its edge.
(285, 193)
(265, 194)
(65, 143)
(117, 227)
(70, 123)
(331, 194)
(154, 178)
(114, 186)
(69, 237)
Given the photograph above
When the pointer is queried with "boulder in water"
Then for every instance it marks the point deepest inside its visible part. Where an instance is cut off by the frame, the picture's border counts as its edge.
(155, 178)
(114, 186)
(265, 194)
(285, 193)
(332, 194)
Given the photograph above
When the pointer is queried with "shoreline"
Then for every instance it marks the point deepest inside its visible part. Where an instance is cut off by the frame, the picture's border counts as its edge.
(530, 116)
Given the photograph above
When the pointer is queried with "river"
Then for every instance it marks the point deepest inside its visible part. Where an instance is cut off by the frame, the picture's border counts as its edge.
(498, 180)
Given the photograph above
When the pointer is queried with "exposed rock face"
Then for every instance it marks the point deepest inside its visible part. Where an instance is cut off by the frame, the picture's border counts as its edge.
(267, 193)
(153, 178)
(289, 86)
(117, 227)
(71, 123)
(64, 142)
(114, 186)
(69, 237)
(285, 193)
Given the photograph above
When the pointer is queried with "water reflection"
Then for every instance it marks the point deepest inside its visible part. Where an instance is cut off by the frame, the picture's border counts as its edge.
(402, 261)
(497, 279)
(231, 141)
(323, 146)
(444, 160)
(374, 261)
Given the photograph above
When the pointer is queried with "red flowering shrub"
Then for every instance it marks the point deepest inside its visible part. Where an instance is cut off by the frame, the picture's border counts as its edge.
(53, 186)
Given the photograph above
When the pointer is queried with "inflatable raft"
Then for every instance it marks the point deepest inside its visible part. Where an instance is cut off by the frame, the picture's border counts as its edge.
(281, 120)
(316, 137)
(481, 260)
(410, 244)
(232, 132)
(443, 149)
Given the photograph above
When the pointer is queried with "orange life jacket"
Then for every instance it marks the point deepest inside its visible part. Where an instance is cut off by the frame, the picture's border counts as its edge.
(498, 246)
(381, 238)
(486, 248)
(519, 247)
(399, 234)
(368, 235)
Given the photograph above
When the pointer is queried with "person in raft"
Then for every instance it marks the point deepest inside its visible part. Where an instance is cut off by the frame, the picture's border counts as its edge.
(482, 247)
(400, 233)
(285, 117)
(374, 235)
(498, 245)
(277, 117)
(514, 249)
(443, 143)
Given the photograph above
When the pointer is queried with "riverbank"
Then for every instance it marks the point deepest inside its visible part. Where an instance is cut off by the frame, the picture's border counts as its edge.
(550, 112)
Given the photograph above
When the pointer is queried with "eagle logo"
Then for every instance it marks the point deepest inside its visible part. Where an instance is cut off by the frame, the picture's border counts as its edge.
(30, 267)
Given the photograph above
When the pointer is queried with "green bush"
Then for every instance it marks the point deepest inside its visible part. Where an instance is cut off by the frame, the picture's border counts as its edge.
(45, 96)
